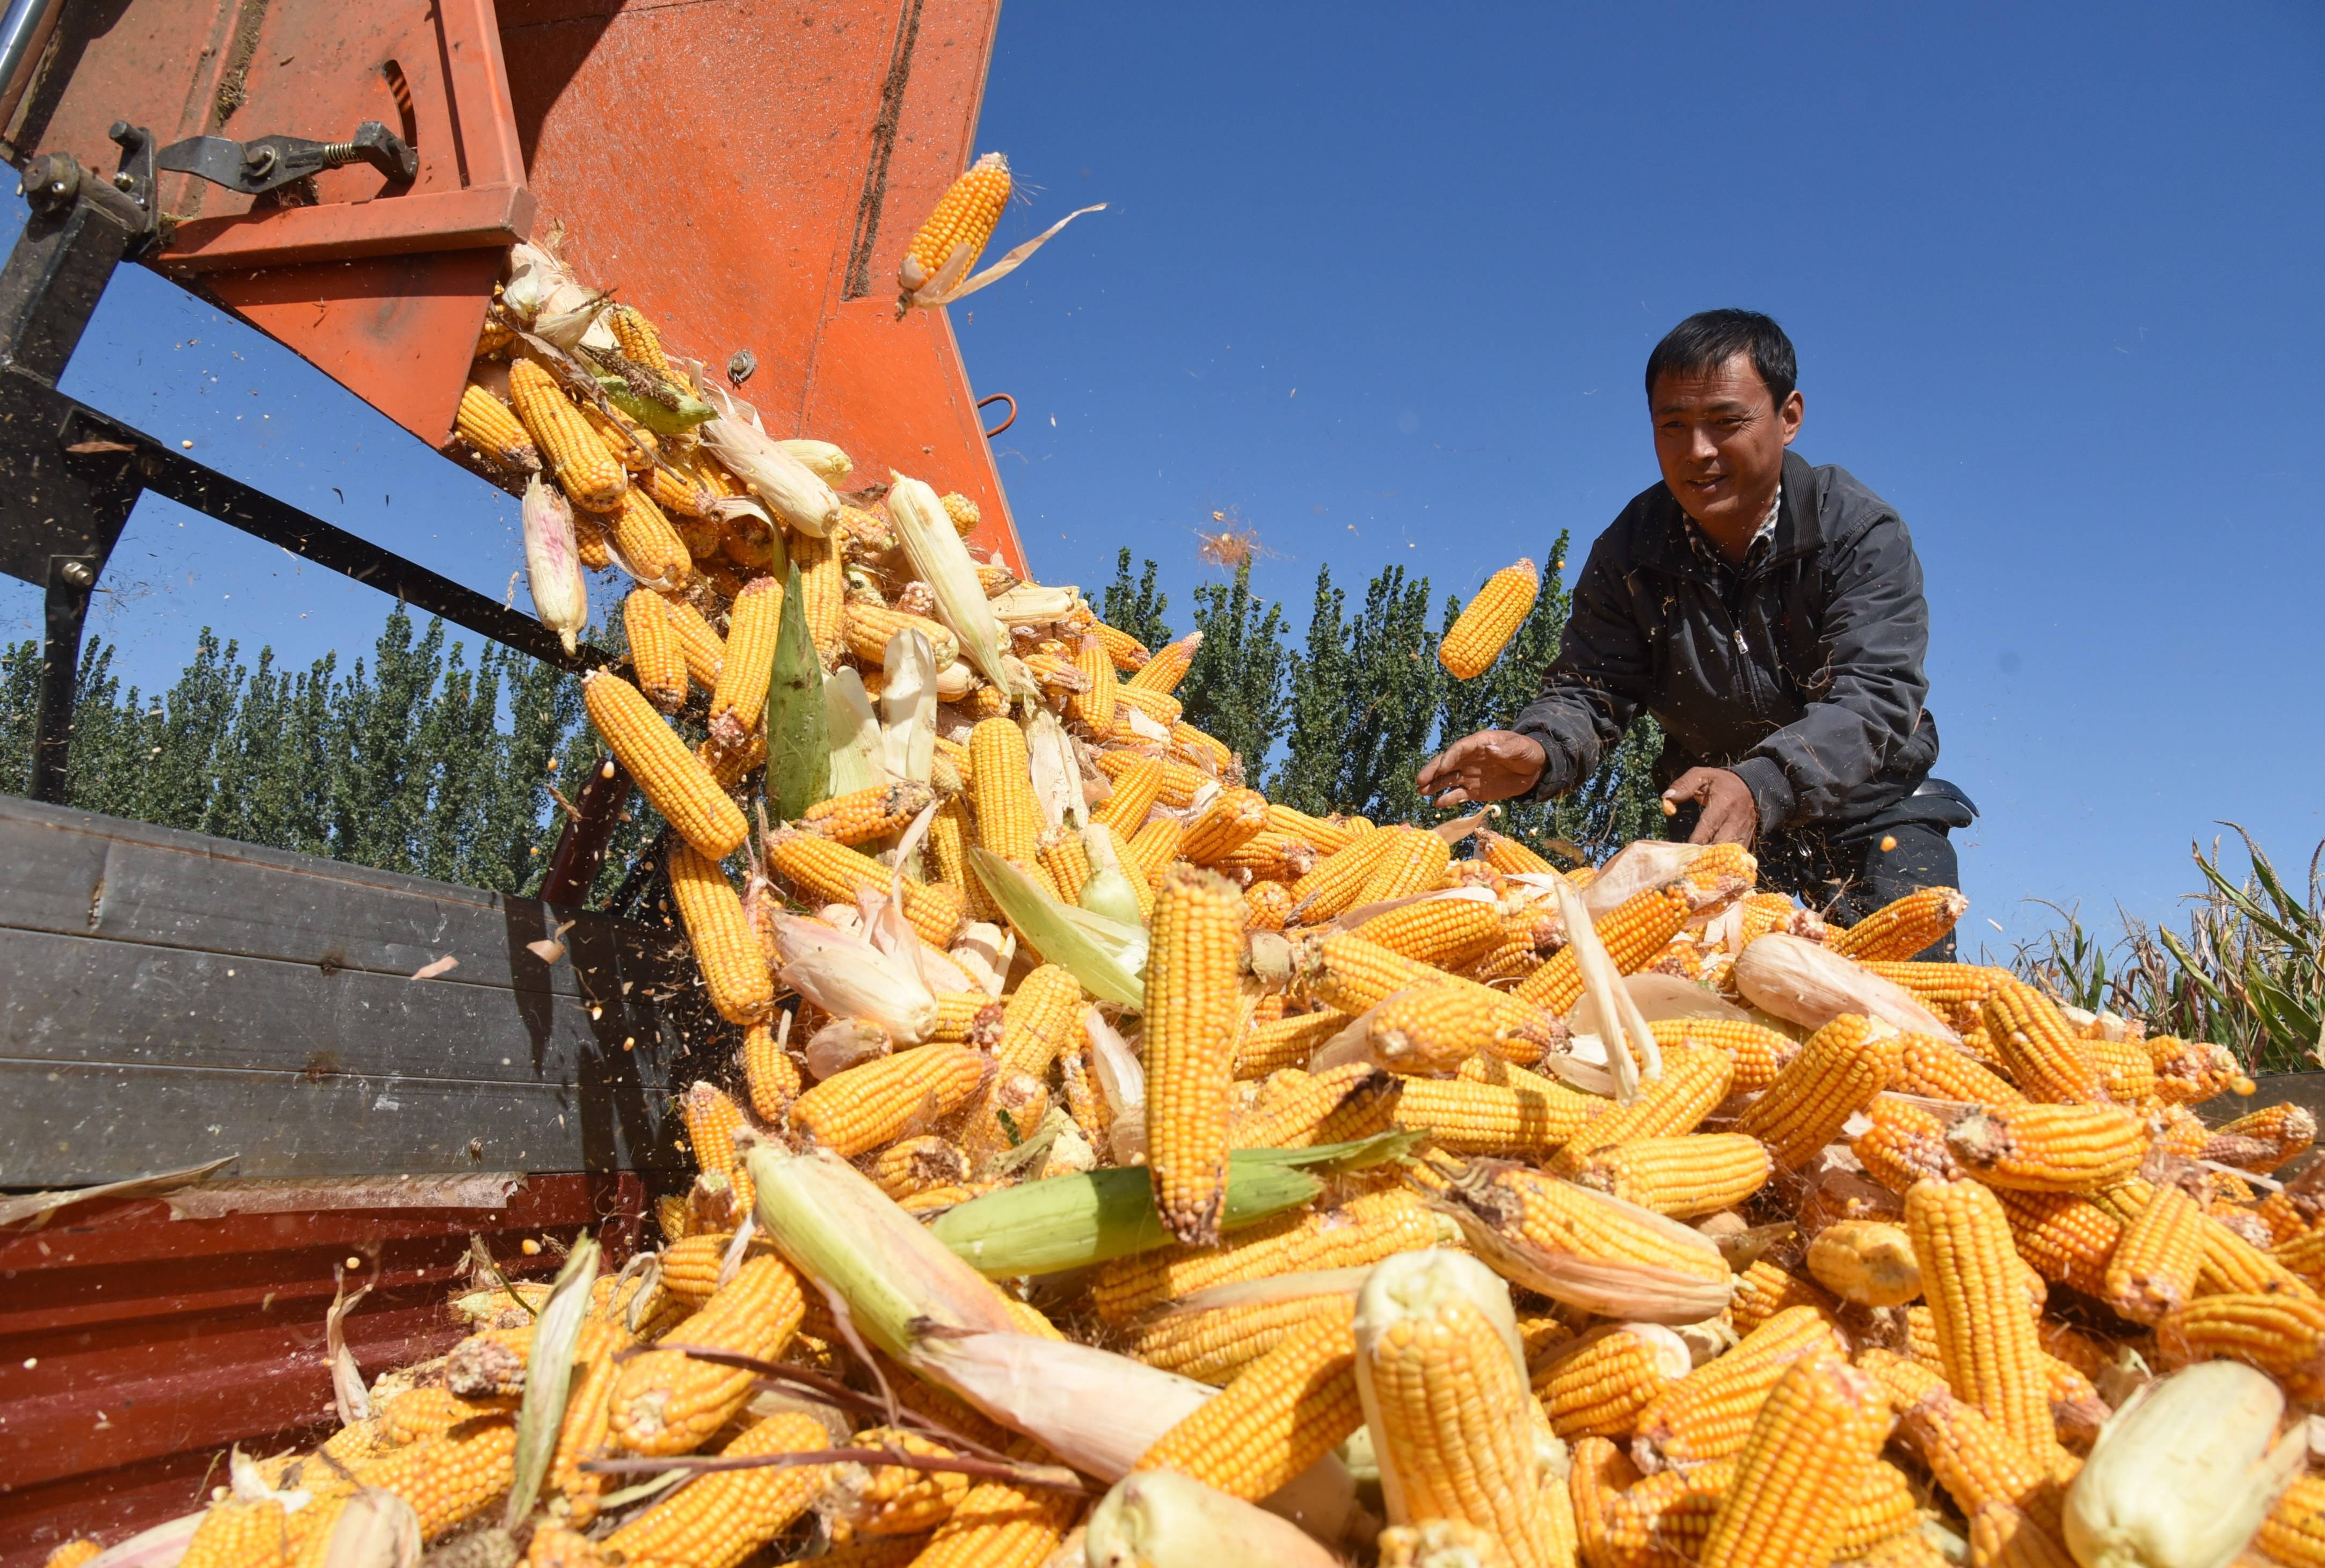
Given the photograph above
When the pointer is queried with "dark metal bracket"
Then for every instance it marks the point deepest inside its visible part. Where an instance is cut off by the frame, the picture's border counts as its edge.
(70, 476)
(264, 163)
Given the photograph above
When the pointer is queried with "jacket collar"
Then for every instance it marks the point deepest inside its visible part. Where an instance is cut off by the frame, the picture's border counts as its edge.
(1664, 544)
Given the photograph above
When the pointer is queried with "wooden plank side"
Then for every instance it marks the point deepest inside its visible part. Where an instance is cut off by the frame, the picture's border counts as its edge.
(78, 873)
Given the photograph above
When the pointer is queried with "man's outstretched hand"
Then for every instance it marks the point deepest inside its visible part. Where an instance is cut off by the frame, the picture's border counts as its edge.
(1730, 815)
(1492, 765)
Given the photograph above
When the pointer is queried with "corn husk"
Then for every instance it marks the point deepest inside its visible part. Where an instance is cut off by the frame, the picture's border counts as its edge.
(955, 680)
(553, 563)
(1057, 775)
(2183, 1474)
(1646, 1293)
(1097, 1411)
(1107, 956)
(1162, 1520)
(1807, 983)
(1657, 997)
(1107, 890)
(843, 1044)
(160, 1547)
(350, 1397)
(655, 404)
(791, 489)
(950, 281)
(908, 707)
(1122, 1079)
(569, 318)
(850, 978)
(1637, 866)
(825, 462)
(852, 734)
(799, 757)
(1632, 1052)
(941, 560)
(1032, 604)
(549, 1378)
(535, 273)
(377, 1530)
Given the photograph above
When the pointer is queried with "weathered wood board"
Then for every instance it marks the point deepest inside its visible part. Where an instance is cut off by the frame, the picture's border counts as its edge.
(167, 997)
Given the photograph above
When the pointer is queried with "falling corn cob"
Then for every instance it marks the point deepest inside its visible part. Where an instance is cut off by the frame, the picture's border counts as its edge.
(1487, 623)
(671, 778)
(1902, 928)
(955, 234)
(485, 423)
(577, 459)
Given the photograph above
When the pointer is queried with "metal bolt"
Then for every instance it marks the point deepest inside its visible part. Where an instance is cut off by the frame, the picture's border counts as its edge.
(77, 573)
(124, 181)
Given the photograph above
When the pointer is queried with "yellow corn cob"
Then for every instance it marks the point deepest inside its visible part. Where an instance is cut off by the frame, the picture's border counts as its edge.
(2282, 1335)
(446, 1479)
(671, 778)
(1408, 861)
(1708, 1413)
(2039, 1046)
(1446, 1403)
(1902, 927)
(1508, 856)
(872, 813)
(1136, 788)
(649, 545)
(1285, 1043)
(1682, 1177)
(834, 873)
(2065, 1239)
(233, 1531)
(2234, 1266)
(914, 1165)
(1154, 848)
(1487, 622)
(724, 1518)
(704, 649)
(1066, 860)
(2294, 1534)
(1448, 933)
(690, 1267)
(961, 511)
(712, 1120)
(656, 657)
(948, 840)
(1281, 1413)
(625, 443)
(2125, 1071)
(590, 544)
(1191, 1013)
(1127, 652)
(857, 1110)
(419, 1413)
(666, 1402)
(1162, 672)
(1352, 974)
(1266, 906)
(1633, 933)
(586, 1431)
(1955, 992)
(2049, 1148)
(1000, 1525)
(1903, 1143)
(1364, 1230)
(891, 1499)
(1695, 1080)
(1931, 1067)
(1806, 1458)
(1466, 1118)
(1269, 855)
(1963, 1240)
(1596, 1386)
(965, 217)
(2264, 1140)
(1763, 1290)
(1093, 706)
(1353, 1101)
(1973, 1458)
(1665, 1519)
(1757, 1053)
(485, 423)
(734, 969)
(2001, 1536)
(1868, 1262)
(2154, 1266)
(1337, 879)
(1505, 1200)
(1007, 824)
(1039, 1019)
(582, 467)
(741, 693)
(773, 1078)
(677, 492)
(636, 337)
(1216, 1345)
(1232, 820)
(1837, 1074)
(1164, 710)
(1438, 1544)
(1326, 835)
(1004, 1115)
(867, 625)
(2188, 1070)
(1431, 1029)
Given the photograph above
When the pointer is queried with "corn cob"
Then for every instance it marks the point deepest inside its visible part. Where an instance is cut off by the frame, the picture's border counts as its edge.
(1001, 1525)
(1487, 623)
(1634, 932)
(1507, 855)
(1364, 1230)
(1339, 878)
(704, 649)
(1962, 1237)
(1216, 1345)
(1408, 861)
(1231, 821)
(2125, 1071)
(740, 696)
(1529, 1223)
(772, 1077)
(649, 547)
(1758, 1053)
(2188, 1070)
(1005, 1115)
(2153, 1269)
(1353, 1101)
(1352, 974)
(2282, 1335)
(734, 970)
(1154, 848)
(1866, 1261)
(1596, 1386)
(2039, 1046)
(2049, 1148)
(590, 543)
(1903, 1145)
(233, 1531)
(2295, 1532)
(2264, 1140)
(583, 468)
(1164, 710)
(1666, 1517)
(964, 220)
(1682, 1176)
(485, 423)
(628, 444)
(863, 815)
(1448, 933)
(1290, 1042)
(1266, 906)
(1972, 1457)
(1008, 823)
(1837, 1074)
(1808, 1455)
(1695, 1080)
(1463, 1117)
(1763, 1290)
(1191, 1002)
(1094, 705)
(857, 1110)
(446, 1479)
(834, 873)
(671, 778)
(889, 1500)
(1900, 929)
(724, 1518)
(1708, 1413)
(1279, 1416)
(1128, 653)
(867, 625)
(1136, 788)
(1438, 1544)
(655, 658)
(666, 1402)
(2001, 1536)
(690, 1267)
(1931, 1067)
(2065, 1238)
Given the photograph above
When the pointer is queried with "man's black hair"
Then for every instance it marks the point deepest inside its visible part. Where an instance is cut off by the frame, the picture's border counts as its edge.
(1710, 339)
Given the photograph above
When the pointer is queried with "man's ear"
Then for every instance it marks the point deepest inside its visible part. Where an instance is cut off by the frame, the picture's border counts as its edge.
(1790, 416)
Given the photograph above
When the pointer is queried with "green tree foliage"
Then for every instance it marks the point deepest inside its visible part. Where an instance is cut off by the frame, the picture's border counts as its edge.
(414, 761)
(1137, 610)
(1233, 688)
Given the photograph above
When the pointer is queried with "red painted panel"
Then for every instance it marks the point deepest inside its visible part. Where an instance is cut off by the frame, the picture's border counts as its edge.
(135, 1349)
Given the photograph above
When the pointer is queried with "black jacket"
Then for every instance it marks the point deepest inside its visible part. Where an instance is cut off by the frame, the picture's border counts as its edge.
(1804, 676)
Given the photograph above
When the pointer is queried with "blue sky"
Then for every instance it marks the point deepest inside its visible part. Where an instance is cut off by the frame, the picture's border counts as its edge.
(1379, 280)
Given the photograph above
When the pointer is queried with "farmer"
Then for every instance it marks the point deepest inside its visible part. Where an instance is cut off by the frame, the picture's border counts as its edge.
(1770, 616)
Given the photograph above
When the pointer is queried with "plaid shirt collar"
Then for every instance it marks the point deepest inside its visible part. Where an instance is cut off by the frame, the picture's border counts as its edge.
(1760, 535)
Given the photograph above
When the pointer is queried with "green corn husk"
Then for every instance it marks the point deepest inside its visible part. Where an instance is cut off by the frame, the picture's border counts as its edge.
(1107, 956)
(681, 414)
(1072, 1221)
(852, 733)
(798, 760)
(548, 1377)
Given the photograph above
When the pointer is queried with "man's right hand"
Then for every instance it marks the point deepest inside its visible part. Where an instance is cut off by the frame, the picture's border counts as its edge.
(1492, 765)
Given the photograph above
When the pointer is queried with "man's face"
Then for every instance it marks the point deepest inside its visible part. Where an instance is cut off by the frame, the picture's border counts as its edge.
(1720, 440)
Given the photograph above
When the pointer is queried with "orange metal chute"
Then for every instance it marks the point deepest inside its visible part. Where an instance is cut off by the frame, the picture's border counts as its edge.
(748, 174)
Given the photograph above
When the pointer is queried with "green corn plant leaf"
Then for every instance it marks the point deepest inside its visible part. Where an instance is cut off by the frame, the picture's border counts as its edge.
(799, 757)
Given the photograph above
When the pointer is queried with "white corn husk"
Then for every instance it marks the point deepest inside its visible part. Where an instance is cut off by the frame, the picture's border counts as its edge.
(1659, 997)
(1417, 1286)
(1034, 604)
(853, 731)
(978, 950)
(1143, 726)
(1637, 866)
(825, 462)
(1644, 1293)
(553, 563)
(955, 680)
(951, 281)
(1805, 982)
(941, 560)
(1631, 1049)
(791, 489)
(350, 1397)
(160, 1547)
(1057, 775)
(375, 1529)
(843, 1044)
(1122, 1078)
(549, 1379)
(850, 978)
(570, 318)
(894, 1278)
(535, 273)
(1162, 1520)
(2183, 1474)
(908, 707)
(1107, 956)
(1270, 1289)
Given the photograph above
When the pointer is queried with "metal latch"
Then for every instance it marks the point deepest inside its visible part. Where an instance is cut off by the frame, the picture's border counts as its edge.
(264, 163)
